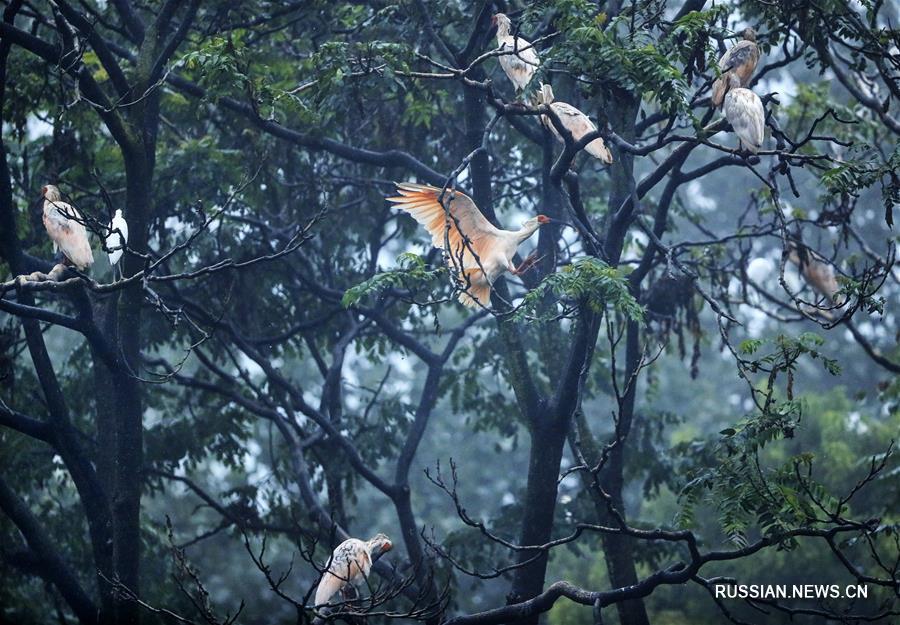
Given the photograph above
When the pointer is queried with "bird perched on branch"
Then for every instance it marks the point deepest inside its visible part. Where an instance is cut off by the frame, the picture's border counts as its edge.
(117, 238)
(739, 60)
(66, 228)
(744, 111)
(575, 122)
(818, 272)
(520, 60)
(477, 251)
(350, 564)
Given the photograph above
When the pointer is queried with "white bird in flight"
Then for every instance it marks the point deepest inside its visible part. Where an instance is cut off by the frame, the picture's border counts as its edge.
(117, 238)
(351, 563)
(478, 252)
(575, 122)
(744, 111)
(520, 60)
(64, 225)
(739, 60)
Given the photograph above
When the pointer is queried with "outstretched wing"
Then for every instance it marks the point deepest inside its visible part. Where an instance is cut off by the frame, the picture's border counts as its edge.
(462, 221)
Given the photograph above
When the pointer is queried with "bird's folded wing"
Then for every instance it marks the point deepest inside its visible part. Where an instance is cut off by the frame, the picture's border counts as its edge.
(574, 120)
(328, 586)
(740, 54)
(349, 562)
(460, 219)
(521, 51)
(64, 216)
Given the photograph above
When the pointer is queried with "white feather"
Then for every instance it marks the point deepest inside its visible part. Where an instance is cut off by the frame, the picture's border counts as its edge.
(744, 111)
(115, 242)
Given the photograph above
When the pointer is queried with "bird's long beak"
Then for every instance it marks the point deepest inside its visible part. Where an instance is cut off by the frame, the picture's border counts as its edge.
(385, 547)
(552, 220)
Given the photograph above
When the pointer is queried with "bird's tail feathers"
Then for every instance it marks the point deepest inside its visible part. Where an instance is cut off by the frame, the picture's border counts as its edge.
(598, 150)
(476, 291)
(329, 585)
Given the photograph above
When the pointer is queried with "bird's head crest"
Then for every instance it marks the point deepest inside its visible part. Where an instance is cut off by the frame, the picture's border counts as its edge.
(748, 34)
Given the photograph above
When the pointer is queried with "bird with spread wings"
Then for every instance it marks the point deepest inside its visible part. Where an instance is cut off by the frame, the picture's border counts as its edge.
(477, 251)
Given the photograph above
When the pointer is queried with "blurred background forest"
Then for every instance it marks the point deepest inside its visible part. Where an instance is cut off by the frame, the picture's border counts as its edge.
(282, 362)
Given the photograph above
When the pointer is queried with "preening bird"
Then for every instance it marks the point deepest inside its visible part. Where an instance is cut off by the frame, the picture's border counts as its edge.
(521, 59)
(477, 251)
(575, 122)
(350, 564)
(744, 111)
(818, 272)
(63, 224)
(739, 60)
(117, 238)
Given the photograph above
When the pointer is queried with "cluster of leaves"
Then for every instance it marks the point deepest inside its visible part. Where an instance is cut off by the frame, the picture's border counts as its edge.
(588, 281)
(732, 478)
(611, 55)
(787, 352)
(412, 274)
(854, 176)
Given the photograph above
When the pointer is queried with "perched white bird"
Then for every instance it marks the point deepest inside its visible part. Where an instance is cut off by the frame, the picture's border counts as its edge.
(520, 60)
(351, 563)
(117, 238)
(739, 60)
(63, 224)
(744, 111)
(818, 273)
(469, 235)
(575, 122)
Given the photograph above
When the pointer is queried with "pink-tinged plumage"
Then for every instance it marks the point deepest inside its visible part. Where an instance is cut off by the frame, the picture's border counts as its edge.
(818, 272)
(351, 563)
(740, 60)
(575, 122)
(520, 60)
(744, 111)
(476, 250)
(68, 234)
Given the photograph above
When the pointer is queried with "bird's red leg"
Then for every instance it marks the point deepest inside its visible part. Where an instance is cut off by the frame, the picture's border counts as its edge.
(527, 264)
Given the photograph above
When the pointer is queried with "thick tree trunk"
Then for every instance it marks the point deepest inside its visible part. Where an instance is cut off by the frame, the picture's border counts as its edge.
(539, 505)
(619, 550)
(126, 398)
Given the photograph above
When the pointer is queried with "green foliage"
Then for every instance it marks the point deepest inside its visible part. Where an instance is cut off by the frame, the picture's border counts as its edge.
(413, 274)
(589, 282)
(633, 64)
(851, 177)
